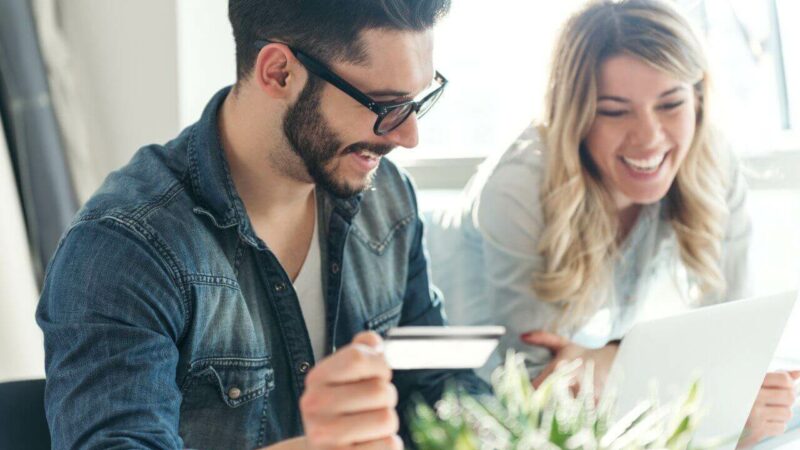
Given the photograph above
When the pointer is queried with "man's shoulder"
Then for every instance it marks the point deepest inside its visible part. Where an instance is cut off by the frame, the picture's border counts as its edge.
(154, 176)
(150, 197)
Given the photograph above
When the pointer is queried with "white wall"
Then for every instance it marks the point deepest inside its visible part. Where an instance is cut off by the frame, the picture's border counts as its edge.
(125, 61)
(206, 54)
(144, 69)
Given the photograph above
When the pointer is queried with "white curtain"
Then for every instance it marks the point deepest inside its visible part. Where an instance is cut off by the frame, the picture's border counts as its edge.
(21, 343)
(61, 78)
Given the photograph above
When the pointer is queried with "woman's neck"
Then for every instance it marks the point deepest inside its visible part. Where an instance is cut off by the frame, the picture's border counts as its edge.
(627, 219)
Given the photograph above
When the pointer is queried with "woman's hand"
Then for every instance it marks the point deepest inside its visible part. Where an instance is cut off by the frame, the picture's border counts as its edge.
(772, 408)
(564, 350)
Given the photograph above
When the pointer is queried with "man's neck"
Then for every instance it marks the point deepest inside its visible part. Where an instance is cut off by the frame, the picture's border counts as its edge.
(280, 206)
(253, 140)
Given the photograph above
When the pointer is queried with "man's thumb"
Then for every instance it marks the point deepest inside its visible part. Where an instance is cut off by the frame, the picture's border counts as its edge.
(370, 339)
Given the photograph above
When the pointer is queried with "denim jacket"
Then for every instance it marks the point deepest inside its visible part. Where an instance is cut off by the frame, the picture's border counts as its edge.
(168, 323)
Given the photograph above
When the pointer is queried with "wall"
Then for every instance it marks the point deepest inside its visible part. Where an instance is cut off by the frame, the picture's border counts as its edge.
(124, 57)
(206, 54)
(124, 60)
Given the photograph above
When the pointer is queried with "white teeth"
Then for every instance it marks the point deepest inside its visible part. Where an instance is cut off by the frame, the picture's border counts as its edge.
(367, 154)
(645, 165)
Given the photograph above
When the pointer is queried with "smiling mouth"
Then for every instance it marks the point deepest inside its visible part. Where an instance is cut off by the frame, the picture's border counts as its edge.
(648, 165)
(369, 155)
(368, 151)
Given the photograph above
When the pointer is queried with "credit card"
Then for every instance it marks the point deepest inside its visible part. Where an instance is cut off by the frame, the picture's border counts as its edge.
(441, 347)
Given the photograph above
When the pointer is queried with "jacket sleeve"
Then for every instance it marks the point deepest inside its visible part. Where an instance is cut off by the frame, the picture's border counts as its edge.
(111, 311)
(509, 218)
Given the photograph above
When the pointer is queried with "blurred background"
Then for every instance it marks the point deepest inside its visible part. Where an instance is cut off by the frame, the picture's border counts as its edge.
(85, 83)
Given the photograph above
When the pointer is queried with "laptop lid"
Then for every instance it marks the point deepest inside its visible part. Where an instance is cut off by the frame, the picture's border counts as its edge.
(728, 346)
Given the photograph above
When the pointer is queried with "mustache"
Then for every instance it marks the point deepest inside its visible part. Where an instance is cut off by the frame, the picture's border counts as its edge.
(378, 149)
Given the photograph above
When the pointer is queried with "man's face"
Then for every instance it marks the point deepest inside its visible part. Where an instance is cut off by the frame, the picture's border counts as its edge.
(333, 133)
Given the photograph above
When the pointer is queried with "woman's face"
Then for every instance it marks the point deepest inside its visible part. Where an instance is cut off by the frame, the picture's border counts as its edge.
(643, 127)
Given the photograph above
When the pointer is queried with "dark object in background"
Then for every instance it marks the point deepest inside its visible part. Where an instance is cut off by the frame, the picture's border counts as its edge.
(34, 139)
(22, 421)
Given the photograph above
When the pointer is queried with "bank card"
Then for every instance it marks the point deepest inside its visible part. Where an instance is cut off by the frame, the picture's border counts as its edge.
(457, 347)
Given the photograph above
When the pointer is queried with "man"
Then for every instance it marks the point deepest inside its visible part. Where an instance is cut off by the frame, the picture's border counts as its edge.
(189, 301)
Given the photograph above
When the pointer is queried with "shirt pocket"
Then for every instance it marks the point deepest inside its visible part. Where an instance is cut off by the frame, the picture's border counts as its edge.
(381, 322)
(230, 382)
(224, 401)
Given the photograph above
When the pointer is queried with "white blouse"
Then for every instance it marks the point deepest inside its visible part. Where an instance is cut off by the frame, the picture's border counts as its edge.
(483, 256)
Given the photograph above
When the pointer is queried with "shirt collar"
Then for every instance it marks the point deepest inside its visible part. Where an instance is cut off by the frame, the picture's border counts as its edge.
(211, 179)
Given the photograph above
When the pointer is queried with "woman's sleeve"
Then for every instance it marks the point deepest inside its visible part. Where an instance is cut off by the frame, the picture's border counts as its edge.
(738, 234)
(509, 218)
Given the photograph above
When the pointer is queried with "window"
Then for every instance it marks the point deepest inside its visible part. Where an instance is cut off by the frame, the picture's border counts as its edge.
(496, 56)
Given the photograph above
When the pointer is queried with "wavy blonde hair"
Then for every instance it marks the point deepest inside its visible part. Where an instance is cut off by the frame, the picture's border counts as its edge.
(579, 239)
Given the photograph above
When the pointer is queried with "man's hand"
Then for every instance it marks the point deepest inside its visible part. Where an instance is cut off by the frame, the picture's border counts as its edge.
(349, 399)
(772, 408)
(563, 350)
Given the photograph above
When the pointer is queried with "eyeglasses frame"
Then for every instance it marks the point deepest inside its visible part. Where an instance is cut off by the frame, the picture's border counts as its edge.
(381, 109)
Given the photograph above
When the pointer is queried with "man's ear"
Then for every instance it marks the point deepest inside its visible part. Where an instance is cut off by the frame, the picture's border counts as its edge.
(277, 72)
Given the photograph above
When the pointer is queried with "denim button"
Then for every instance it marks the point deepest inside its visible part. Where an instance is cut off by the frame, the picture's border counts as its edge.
(304, 367)
(234, 393)
(334, 268)
(279, 287)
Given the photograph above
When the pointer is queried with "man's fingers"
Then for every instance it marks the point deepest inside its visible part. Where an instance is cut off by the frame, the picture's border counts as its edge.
(365, 395)
(352, 363)
(342, 431)
(551, 341)
(387, 443)
(370, 339)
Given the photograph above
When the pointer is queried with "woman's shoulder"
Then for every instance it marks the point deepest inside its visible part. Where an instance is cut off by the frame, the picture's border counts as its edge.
(527, 151)
(520, 166)
(509, 183)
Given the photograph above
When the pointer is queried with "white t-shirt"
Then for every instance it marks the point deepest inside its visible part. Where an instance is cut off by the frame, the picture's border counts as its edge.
(308, 286)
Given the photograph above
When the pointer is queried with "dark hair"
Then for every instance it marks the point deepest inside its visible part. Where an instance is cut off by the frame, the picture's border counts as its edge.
(328, 30)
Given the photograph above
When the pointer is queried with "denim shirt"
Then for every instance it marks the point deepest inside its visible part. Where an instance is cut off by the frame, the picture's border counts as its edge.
(168, 323)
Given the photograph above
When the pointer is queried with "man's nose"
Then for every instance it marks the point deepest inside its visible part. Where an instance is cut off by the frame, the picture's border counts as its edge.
(406, 135)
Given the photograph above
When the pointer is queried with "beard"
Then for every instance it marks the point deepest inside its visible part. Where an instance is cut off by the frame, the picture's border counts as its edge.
(312, 139)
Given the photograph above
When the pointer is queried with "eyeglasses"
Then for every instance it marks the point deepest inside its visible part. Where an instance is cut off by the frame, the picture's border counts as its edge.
(390, 114)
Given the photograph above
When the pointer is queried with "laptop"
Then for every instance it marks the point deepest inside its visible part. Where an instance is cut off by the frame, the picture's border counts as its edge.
(727, 346)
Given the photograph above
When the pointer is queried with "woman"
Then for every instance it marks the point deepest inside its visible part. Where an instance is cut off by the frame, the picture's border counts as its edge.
(621, 206)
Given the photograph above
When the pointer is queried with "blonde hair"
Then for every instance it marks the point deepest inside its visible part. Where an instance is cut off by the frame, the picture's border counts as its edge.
(579, 239)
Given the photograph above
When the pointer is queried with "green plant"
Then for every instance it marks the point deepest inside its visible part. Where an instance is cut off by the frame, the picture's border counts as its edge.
(552, 417)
